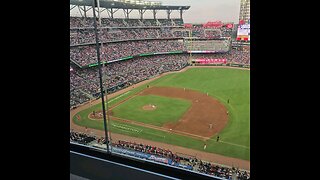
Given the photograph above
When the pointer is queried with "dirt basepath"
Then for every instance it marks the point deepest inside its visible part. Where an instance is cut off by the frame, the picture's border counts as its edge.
(165, 129)
(215, 158)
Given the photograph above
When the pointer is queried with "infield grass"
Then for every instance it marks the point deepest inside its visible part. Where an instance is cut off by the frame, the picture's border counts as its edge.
(167, 109)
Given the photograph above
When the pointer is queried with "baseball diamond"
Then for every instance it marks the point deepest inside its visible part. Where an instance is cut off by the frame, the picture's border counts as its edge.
(192, 128)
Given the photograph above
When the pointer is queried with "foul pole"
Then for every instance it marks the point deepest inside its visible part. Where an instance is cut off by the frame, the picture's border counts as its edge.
(190, 39)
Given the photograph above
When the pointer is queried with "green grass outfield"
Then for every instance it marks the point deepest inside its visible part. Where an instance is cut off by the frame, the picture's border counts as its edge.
(222, 84)
(167, 109)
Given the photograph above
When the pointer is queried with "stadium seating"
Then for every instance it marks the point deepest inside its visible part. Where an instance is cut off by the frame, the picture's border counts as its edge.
(196, 164)
(85, 55)
(122, 74)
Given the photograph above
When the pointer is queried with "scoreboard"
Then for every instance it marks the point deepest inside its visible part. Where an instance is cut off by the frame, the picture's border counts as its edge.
(243, 32)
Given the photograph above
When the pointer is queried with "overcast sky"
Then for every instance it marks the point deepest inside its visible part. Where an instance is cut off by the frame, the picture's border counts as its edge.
(209, 10)
(201, 11)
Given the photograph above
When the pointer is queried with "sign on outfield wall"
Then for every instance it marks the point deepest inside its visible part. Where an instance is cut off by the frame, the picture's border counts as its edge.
(211, 61)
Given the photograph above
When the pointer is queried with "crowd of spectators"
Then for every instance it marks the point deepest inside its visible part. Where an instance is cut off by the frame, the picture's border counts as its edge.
(207, 45)
(122, 74)
(80, 22)
(239, 56)
(77, 97)
(204, 33)
(196, 164)
(85, 81)
(232, 56)
(85, 55)
(82, 36)
(81, 138)
(220, 171)
(146, 149)
(82, 31)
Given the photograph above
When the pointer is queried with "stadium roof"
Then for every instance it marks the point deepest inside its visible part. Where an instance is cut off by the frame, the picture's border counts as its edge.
(129, 4)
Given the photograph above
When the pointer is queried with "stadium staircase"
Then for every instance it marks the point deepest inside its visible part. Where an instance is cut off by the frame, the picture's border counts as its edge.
(173, 23)
(140, 22)
(125, 23)
(157, 35)
(158, 23)
(135, 33)
(87, 94)
(74, 62)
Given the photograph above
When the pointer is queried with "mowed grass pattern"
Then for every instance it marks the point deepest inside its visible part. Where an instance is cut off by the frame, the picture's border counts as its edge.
(222, 84)
(167, 109)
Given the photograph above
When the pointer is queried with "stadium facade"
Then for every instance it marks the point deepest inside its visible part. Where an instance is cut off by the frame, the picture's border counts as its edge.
(244, 10)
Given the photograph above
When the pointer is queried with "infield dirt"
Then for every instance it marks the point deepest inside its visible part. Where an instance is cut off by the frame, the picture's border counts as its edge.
(204, 111)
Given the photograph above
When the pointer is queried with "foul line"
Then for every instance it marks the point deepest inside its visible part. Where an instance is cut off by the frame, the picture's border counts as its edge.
(235, 144)
(119, 96)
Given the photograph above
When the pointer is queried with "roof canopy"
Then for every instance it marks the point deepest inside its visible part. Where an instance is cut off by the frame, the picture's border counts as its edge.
(129, 4)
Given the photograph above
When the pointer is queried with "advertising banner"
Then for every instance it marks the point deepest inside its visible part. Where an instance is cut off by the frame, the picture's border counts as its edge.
(150, 157)
(211, 61)
(215, 24)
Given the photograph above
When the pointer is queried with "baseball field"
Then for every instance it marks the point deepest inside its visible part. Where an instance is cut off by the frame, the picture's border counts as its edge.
(187, 109)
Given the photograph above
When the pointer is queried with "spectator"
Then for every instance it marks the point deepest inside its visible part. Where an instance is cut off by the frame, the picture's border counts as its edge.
(196, 164)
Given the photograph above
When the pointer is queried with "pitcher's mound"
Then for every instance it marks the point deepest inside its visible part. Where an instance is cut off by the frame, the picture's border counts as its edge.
(149, 107)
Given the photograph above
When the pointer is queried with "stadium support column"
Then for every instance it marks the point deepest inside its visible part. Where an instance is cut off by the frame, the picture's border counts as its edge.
(100, 76)
(168, 13)
(111, 13)
(181, 11)
(141, 12)
(72, 7)
(154, 14)
(98, 3)
(127, 13)
(79, 8)
(85, 12)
